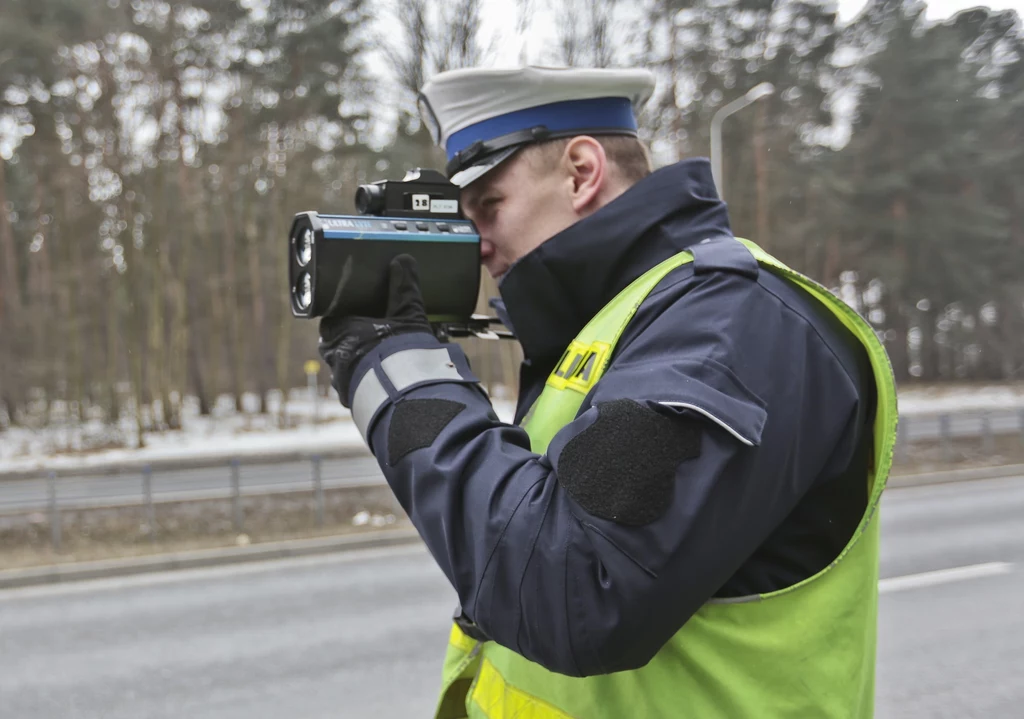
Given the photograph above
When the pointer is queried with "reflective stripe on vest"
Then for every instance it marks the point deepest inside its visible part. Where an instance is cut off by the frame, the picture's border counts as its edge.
(806, 650)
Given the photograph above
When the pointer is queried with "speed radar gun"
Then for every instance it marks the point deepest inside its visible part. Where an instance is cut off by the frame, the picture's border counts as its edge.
(344, 259)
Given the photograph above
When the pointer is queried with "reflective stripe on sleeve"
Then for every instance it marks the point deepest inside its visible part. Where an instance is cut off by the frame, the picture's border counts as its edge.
(720, 422)
(409, 367)
(369, 396)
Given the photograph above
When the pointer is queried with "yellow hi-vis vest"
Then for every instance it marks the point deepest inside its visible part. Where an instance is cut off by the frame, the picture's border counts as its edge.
(807, 651)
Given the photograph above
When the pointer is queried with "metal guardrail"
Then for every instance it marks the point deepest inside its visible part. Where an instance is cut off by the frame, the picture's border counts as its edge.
(948, 428)
(148, 502)
(227, 480)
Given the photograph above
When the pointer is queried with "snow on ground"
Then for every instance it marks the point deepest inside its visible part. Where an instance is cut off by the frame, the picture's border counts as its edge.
(937, 399)
(226, 434)
(223, 435)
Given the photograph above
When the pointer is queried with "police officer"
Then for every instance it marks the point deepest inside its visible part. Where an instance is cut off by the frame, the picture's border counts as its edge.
(682, 520)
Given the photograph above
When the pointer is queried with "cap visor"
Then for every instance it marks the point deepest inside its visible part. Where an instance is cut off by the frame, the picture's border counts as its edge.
(475, 172)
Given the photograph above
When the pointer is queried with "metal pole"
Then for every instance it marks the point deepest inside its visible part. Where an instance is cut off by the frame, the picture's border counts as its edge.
(987, 439)
(716, 152)
(236, 498)
(314, 394)
(318, 488)
(147, 498)
(946, 438)
(900, 450)
(54, 512)
(753, 95)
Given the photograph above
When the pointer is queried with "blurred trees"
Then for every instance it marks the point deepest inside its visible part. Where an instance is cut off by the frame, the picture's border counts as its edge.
(881, 165)
(166, 146)
(928, 216)
(152, 154)
(710, 52)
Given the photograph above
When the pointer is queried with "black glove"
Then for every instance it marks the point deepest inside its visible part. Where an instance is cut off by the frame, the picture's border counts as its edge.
(346, 340)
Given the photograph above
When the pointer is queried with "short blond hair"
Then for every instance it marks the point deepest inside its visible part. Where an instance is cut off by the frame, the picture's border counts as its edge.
(626, 153)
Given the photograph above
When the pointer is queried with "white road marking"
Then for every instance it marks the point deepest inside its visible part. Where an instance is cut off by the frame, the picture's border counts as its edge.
(891, 584)
(943, 576)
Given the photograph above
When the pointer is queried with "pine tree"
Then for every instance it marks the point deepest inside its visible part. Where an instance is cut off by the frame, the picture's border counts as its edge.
(918, 163)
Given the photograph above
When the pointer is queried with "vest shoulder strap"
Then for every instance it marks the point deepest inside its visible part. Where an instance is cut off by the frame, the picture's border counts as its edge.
(724, 253)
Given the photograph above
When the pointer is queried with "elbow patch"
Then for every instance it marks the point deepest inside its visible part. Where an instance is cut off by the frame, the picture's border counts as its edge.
(622, 468)
(416, 423)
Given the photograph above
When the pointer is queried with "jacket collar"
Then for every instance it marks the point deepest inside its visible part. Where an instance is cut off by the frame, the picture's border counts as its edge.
(550, 294)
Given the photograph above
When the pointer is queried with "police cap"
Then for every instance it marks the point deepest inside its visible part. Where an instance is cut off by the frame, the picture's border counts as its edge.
(480, 117)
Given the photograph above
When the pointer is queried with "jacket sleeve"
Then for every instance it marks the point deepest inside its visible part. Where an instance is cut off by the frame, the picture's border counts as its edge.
(577, 559)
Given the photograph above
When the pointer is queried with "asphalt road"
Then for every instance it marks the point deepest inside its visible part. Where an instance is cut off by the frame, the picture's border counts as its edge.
(84, 491)
(954, 648)
(362, 634)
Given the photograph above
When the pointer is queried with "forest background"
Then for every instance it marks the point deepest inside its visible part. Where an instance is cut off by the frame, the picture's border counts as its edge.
(152, 155)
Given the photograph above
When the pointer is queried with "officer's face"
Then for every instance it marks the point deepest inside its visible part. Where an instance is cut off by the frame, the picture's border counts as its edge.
(516, 208)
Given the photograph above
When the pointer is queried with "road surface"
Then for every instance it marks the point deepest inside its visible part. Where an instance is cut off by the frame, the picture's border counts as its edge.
(32, 494)
(362, 634)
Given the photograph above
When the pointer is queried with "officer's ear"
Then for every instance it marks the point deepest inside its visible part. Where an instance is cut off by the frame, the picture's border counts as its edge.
(587, 164)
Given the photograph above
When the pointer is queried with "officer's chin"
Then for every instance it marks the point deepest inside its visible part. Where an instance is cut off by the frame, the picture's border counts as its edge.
(495, 270)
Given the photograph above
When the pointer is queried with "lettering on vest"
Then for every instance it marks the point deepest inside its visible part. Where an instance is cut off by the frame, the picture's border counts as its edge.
(580, 366)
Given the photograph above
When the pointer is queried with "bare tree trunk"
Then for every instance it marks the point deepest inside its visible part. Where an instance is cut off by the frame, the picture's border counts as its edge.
(215, 343)
(571, 43)
(134, 339)
(114, 330)
(197, 381)
(12, 387)
(229, 293)
(259, 315)
(284, 335)
(199, 325)
(524, 19)
(511, 355)
(601, 42)
(157, 356)
(930, 358)
(178, 350)
(10, 297)
(831, 266)
(197, 331)
(137, 367)
(78, 314)
(47, 324)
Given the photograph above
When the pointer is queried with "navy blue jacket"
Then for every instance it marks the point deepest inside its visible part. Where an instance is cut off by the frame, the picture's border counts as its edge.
(771, 398)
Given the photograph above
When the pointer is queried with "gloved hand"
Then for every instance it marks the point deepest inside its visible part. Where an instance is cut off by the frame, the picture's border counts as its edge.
(346, 340)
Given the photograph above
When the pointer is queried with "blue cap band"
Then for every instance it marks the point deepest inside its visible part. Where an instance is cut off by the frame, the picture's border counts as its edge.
(602, 113)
